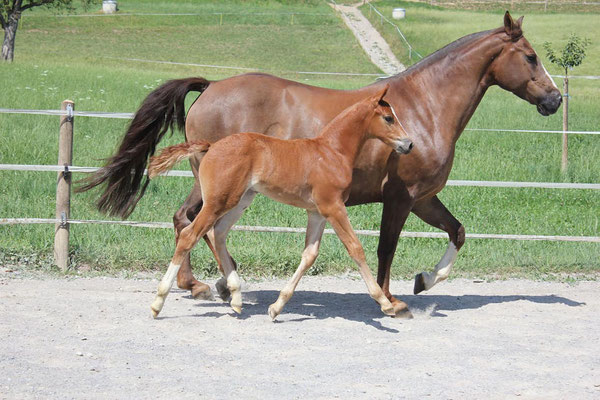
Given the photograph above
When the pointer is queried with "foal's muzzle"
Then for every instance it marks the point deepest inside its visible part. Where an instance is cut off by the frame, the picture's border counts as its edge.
(404, 146)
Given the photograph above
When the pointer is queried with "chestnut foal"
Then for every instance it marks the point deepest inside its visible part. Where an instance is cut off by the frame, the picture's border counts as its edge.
(314, 174)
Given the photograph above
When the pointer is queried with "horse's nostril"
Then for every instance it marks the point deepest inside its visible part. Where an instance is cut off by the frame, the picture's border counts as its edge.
(410, 145)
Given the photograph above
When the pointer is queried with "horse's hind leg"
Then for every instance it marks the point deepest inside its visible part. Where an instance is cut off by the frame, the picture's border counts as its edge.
(182, 218)
(220, 231)
(314, 232)
(436, 214)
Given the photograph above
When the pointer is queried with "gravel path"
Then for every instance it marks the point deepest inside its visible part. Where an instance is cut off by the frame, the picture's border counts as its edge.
(371, 41)
(94, 338)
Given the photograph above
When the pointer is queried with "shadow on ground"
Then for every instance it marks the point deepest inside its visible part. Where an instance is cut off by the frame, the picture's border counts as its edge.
(360, 307)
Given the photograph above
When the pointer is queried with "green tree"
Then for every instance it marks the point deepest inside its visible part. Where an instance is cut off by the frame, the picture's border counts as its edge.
(10, 14)
(571, 56)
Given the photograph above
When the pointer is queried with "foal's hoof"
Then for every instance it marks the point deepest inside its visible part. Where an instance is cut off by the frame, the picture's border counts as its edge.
(202, 291)
(419, 284)
(402, 310)
(404, 314)
(154, 312)
(272, 313)
(389, 310)
(222, 289)
(236, 302)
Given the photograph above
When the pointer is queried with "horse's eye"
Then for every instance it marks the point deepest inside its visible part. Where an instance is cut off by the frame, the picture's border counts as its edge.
(531, 59)
(389, 119)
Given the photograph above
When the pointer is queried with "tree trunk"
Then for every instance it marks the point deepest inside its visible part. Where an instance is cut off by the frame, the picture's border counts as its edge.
(10, 32)
(565, 146)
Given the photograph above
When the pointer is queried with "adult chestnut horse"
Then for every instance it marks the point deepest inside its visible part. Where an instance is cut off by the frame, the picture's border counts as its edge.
(434, 99)
(314, 174)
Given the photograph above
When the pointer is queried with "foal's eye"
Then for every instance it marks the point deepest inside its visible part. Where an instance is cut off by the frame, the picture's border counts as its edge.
(531, 59)
(389, 119)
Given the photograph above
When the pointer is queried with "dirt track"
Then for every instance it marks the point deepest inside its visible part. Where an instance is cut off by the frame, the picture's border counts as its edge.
(94, 338)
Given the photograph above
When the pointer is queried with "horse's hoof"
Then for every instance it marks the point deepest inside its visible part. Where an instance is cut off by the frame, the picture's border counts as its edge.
(222, 289)
(236, 308)
(419, 284)
(272, 313)
(154, 312)
(202, 292)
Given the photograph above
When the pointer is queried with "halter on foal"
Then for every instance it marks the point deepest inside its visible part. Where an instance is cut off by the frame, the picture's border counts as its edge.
(314, 174)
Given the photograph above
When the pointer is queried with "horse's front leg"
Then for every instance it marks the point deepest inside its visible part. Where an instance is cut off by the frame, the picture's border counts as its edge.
(396, 208)
(436, 214)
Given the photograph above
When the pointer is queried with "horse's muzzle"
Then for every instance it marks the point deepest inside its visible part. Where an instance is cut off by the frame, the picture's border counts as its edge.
(404, 146)
(550, 103)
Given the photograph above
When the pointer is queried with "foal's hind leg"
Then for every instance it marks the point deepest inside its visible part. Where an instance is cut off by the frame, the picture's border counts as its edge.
(220, 231)
(182, 218)
(188, 238)
(314, 232)
(436, 214)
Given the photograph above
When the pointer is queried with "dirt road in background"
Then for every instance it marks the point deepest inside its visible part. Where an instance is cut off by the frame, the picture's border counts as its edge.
(94, 338)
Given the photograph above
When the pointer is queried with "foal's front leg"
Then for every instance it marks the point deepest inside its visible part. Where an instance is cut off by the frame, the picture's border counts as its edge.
(314, 232)
(338, 218)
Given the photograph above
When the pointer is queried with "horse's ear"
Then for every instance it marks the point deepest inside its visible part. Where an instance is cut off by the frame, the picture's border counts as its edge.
(512, 28)
(379, 96)
(520, 22)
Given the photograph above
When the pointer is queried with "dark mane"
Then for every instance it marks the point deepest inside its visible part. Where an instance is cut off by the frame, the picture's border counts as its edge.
(444, 51)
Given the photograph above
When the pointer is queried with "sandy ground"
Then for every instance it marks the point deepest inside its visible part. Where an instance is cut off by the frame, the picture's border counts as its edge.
(94, 338)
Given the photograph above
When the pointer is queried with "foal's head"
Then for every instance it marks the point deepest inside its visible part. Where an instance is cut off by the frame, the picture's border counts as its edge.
(518, 69)
(385, 126)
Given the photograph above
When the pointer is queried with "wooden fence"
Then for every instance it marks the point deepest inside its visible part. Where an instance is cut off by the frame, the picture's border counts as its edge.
(64, 169)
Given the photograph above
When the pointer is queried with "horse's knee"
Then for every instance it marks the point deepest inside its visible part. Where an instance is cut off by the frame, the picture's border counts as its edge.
(459, 240)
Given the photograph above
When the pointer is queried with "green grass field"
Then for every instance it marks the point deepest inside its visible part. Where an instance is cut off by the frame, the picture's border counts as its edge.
(82, 58)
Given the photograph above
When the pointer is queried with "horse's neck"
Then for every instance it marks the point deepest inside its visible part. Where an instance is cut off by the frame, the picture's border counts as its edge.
(346, 134)
(453, 85)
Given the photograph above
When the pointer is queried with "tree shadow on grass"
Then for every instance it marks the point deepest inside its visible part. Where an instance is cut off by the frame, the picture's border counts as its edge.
(359, 307)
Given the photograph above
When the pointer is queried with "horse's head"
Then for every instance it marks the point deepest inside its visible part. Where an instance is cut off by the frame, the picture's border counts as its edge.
(518, 69)
(386, 126)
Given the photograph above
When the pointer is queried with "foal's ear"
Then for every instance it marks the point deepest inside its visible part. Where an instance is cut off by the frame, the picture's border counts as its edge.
(379, 96)
(512, 28)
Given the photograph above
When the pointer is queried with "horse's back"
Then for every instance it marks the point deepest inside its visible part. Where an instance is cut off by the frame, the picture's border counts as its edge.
(265, 104)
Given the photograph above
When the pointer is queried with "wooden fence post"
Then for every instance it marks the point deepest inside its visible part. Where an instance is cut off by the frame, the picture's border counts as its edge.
(63, 187)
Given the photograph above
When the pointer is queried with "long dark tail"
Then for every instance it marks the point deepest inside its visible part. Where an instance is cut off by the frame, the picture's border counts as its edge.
(123, 173)
(169, 156)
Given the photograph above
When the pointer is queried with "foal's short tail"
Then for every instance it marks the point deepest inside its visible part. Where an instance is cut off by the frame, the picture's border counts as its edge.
(123, 175)
(171, 155)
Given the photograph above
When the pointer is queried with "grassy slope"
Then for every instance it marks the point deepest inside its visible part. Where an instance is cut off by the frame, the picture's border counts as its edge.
(60, 58)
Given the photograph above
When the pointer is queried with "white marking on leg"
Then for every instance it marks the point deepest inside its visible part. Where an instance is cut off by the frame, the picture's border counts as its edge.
(314, 232)
(163, 288)
(548, 75)
(234, 286)
(442, 269)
